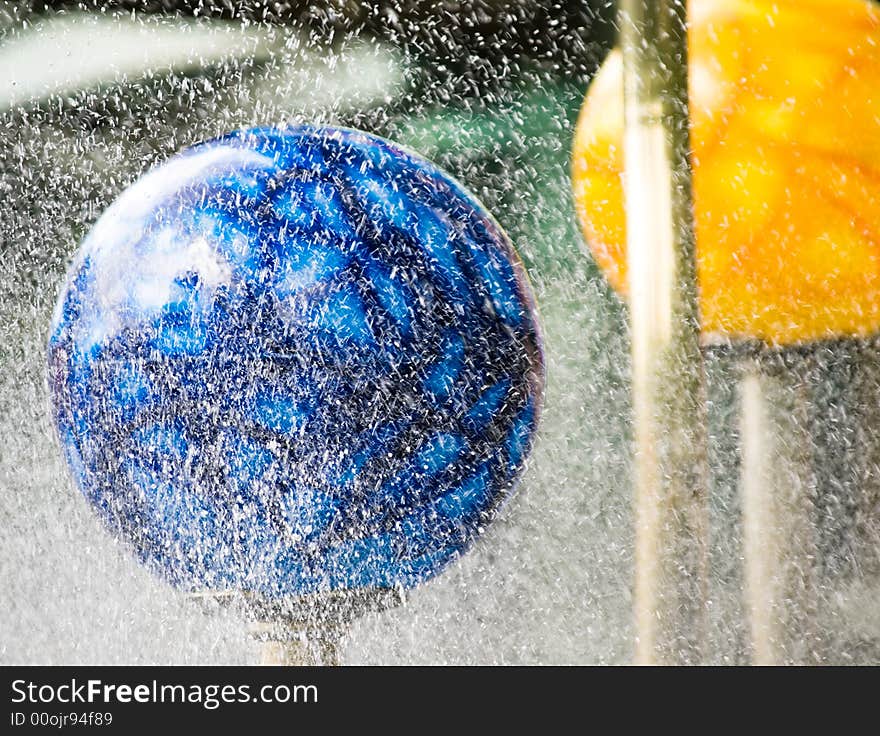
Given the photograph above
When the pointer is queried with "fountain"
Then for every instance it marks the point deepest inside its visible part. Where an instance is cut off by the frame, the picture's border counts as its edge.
(493, 98)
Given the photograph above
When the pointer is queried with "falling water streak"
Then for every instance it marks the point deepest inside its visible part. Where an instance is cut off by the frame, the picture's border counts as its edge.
(668, 375)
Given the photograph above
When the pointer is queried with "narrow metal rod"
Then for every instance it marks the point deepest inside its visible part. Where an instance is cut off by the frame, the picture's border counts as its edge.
(777, 490)
(668, 376)
(298, 646)
(298, 653)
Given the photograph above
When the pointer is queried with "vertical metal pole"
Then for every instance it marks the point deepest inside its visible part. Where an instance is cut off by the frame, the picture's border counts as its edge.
(309, 630)
(777, 490)
(292, 646)
(668, 377)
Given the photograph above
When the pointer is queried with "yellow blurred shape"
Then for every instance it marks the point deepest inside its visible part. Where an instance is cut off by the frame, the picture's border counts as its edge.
(785, 114)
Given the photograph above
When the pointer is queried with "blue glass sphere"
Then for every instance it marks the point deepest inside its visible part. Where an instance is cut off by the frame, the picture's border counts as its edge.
(296, 360)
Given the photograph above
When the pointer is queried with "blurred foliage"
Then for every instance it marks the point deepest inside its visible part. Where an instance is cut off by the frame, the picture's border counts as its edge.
(514, 154)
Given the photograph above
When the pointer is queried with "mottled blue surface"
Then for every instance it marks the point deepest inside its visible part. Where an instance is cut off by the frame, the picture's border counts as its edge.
(296, 360)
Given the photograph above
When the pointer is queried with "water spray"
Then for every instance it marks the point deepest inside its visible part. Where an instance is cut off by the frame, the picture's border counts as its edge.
(781, 164)
(298, 369)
